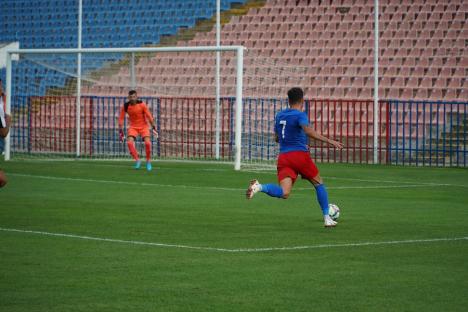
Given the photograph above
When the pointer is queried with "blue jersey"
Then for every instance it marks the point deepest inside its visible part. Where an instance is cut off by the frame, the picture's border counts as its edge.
(288, 128)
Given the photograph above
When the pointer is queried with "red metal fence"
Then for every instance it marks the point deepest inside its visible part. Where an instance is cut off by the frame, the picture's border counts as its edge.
(416, 133)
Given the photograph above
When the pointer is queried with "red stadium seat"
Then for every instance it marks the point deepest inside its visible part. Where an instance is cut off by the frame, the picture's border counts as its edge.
(422, 48)
(436, 94)
(421, 94)
(426, 82)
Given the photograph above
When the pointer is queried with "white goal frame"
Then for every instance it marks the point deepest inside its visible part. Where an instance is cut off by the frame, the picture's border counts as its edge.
(239, 78)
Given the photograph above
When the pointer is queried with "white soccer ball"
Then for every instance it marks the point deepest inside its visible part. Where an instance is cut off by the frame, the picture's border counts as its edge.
(333, 211)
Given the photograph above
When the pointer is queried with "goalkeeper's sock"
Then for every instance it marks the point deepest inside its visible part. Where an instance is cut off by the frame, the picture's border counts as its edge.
(132, 149)
(322, 198)
(148, 150)
(273, 190)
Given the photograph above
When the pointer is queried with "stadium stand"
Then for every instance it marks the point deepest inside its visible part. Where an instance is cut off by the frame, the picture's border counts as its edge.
(106, 23)
(423, 52)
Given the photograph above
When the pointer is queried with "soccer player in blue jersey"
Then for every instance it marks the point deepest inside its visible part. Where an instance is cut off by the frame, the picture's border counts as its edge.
(292, 129)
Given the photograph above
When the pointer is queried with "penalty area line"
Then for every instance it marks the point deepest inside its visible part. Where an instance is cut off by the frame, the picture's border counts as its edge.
(99, 162)
(208, 187)
(236, 250)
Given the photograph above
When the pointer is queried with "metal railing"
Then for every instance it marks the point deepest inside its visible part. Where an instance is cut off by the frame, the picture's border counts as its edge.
(410, 132)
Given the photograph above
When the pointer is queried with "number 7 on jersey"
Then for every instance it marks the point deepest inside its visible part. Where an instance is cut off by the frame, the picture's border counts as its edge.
(283, 122)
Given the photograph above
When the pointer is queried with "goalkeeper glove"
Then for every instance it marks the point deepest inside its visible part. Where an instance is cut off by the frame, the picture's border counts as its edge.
(121, 135)
(154, 131)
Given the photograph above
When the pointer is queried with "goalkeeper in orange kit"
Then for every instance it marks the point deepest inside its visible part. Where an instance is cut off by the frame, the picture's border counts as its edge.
(139, 117)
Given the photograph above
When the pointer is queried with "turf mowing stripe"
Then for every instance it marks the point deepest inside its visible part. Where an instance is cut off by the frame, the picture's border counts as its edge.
(273, 170)
(90, 162)
(211, 187)
(237, 250)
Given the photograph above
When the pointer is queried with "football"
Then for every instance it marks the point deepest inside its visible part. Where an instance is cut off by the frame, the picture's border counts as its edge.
(333, 211)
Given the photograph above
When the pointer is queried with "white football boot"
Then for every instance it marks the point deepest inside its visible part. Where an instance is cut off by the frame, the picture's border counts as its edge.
(254, 187)
(328, 222)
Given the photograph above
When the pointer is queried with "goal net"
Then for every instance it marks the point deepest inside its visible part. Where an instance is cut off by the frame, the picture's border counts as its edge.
(58, 113)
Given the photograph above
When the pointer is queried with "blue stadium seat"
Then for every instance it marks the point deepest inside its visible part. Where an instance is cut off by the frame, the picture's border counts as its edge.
(53, 24)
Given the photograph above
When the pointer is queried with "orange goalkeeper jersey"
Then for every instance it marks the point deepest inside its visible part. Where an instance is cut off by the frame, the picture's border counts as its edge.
(138, 115)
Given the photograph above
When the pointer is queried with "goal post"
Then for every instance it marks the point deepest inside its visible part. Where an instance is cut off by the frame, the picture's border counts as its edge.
(104, 68)
(8, 101)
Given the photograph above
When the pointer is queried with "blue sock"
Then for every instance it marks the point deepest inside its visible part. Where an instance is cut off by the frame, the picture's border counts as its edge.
(322, 198)
(272, 190)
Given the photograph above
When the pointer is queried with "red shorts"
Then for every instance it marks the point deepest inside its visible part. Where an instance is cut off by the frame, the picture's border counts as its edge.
(291, 164)
(134, 132)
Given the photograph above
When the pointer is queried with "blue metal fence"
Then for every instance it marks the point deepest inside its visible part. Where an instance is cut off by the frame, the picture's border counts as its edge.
(411, 132)
(427, 133)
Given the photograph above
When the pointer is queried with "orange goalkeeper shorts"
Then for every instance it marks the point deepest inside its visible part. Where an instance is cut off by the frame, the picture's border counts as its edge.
(134, 132)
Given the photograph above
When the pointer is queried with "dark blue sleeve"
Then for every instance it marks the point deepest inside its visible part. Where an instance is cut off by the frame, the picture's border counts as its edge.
(303, 121)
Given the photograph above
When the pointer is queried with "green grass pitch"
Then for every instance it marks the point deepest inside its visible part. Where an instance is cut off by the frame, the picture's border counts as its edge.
(184, 238)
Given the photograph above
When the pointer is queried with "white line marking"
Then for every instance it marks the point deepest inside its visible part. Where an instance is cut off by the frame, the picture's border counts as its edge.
(90, 162)
(237, 250)
(373, 181)
(398, 182)
(378, 186)
(125, 182)
(208, 187)
(129, 163)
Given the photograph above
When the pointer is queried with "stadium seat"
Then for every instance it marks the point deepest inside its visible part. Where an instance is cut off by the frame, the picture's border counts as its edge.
(421, 94)
(426, 82)
(414, 41)
(96, 15)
